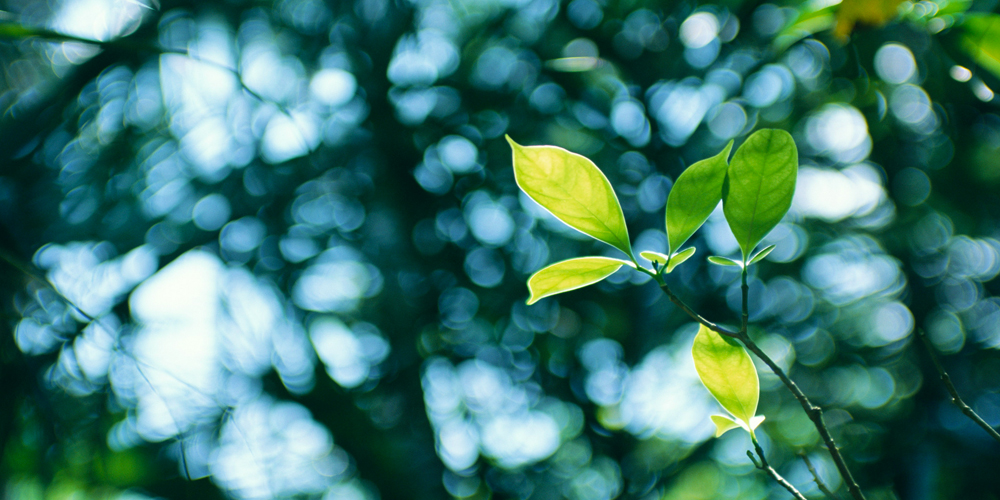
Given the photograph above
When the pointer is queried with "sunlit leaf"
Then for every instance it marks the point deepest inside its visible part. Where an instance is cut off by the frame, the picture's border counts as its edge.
(573, 189)
(759, 256)
(695, 194)
(724, 261)
(652, 256)
(723, 424)
(679, 258)
(980, 39)
(760, 186)
(570, 275)
(727, 372)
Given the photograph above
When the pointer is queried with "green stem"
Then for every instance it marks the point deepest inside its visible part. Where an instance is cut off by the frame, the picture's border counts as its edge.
(746, 308)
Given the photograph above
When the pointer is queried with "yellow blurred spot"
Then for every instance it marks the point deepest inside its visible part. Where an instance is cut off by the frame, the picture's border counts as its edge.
(868, 12)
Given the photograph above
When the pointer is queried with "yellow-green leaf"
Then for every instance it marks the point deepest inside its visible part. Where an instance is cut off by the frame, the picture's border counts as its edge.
(679, 258)
(574, 190)
(761, 254)
(723, 424)
(727, 372)
(724, 261)
(570, 275)
(652, 256)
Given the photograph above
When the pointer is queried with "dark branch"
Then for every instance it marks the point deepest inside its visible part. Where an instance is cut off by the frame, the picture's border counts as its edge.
(814, 412)
(764, 466)
(819, 482)
(955, 398)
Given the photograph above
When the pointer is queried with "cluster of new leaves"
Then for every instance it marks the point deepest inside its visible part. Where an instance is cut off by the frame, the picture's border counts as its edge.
(755, 189)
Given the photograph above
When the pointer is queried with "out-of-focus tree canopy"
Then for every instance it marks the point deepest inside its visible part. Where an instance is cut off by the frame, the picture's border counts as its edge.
(260, 250)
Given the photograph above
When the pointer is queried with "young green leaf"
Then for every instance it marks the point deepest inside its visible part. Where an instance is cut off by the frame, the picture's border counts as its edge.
(571, 274)
(761, 254)
(727, 372)
(724, 261)
(652, 256)
(679, 258)
(760, 186)
(573, 189)
(723, 424)
(694, 195)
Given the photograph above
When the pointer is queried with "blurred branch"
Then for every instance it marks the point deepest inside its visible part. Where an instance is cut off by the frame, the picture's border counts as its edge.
(819, 482)
(955, 398)
(764, 466)
(814, 412)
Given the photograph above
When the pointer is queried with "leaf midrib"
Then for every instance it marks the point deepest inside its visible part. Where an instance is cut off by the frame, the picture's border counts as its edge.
(560, 188)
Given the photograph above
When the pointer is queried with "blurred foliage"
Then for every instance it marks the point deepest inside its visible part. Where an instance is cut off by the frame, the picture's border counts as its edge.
(276, 249)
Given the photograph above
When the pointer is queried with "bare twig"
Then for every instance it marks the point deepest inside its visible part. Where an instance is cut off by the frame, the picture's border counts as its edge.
(955, 398)
(814, 412)
(697, 317)
(764, 466)
(819, 482)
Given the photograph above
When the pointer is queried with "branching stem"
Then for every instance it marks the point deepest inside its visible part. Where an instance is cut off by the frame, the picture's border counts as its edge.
(819, 482)
(764, 466)
(955, 398)
(814, 412)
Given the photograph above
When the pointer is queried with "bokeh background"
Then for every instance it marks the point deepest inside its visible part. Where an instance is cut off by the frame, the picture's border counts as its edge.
(257, 249)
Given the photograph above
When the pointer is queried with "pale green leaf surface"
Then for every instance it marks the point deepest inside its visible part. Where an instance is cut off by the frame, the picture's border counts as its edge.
(652, 256)
(695, 194)
(570, 275)
(727, 372)
(760, 186)
(723, 424)
(724, 261)
(759, 256)
(573, 189)
(980, 39)
(679, 258)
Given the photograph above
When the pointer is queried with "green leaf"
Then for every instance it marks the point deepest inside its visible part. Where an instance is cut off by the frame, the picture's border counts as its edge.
(679, 258)
(571, 274)
(574, 190)
(694, 196)
(980, 39)
(761, 254)
(723, 424)
(727, 372)
(760, 186)
(724, 261)
(652, 256)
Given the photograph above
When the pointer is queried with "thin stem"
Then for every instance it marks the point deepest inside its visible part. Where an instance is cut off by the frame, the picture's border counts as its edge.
(955, 398)
(697, 317)
(764, 466)
(814, 412)
(819, 482)
(745, 289)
